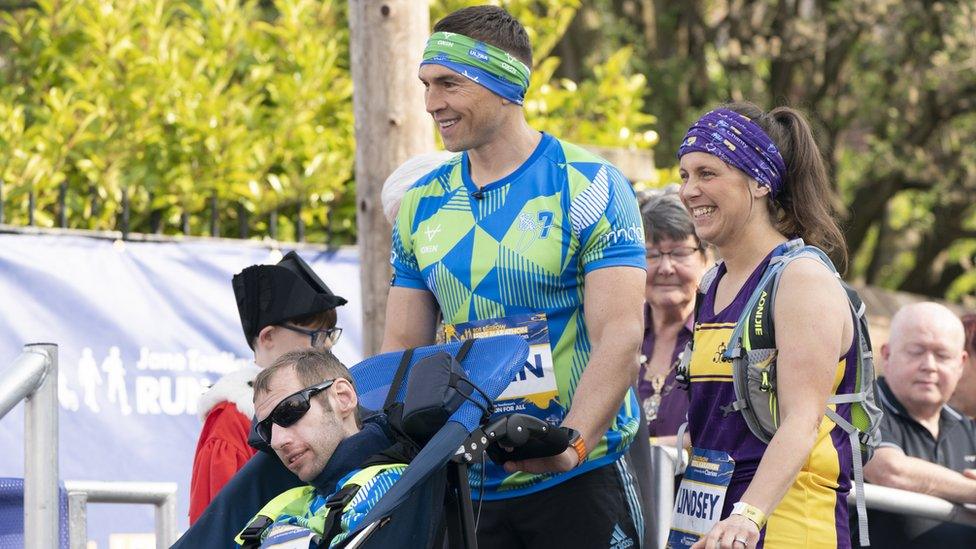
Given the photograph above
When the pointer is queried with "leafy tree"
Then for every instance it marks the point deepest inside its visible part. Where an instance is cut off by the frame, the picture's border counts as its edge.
(171, 104)
(195, 110)
(889, 84)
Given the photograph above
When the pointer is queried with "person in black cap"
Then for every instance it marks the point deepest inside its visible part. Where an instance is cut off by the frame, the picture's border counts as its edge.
(283, 307)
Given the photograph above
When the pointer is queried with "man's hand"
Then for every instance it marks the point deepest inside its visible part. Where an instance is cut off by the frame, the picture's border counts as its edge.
(559, 463)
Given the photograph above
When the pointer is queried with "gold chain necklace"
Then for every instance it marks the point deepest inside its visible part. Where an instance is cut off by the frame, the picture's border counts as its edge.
(653, 403)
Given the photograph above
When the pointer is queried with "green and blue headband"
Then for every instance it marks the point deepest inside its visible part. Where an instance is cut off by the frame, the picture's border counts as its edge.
(484, 64)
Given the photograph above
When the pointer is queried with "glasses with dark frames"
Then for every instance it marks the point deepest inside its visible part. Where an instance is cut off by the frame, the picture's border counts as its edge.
(318, 337)
(291, 409)
(681, 254)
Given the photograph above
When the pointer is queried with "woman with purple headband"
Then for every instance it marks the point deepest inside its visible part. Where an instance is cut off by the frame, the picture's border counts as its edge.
(752, 182)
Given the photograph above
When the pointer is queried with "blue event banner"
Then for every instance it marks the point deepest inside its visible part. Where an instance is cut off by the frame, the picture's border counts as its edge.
(143, 329)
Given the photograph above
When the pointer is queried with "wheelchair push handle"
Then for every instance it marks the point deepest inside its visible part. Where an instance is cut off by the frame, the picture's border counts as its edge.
(517, 437)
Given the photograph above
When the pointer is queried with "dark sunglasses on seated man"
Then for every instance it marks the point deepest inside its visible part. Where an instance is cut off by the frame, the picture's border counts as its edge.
(290, 409)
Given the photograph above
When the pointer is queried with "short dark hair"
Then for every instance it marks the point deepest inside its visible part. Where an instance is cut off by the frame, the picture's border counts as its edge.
(311, 365)
(491, 25)
(319, 321)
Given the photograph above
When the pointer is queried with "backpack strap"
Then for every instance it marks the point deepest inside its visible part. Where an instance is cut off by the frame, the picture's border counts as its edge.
(765, 290)
(753, 341)
(250, 536)
(862, 511)
(335, 505)
(463, 350)
(679, 450)
(398, 378)
(864, 400)
(337, 502)
(708, 279)
(682, 370)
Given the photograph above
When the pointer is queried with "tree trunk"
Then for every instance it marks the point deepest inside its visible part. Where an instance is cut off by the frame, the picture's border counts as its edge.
(926, 276)
(870, 200)
(386, 43)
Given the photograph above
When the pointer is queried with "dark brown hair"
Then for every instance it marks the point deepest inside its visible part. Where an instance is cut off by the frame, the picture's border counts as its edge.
(806, 206)
(311, 365)
(491, 25)
(322, 319)
(319, 321)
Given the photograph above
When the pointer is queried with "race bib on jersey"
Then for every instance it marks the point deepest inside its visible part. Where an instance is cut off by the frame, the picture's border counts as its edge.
(289, 536)
(533, 390)
(699, 501)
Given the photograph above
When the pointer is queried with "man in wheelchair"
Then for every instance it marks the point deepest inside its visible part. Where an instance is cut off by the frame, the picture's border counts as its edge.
(308, 413)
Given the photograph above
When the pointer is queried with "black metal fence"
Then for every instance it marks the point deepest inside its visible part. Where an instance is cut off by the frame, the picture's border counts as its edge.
(220, 218)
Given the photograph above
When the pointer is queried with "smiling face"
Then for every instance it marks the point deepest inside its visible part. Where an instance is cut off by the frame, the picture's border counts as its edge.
(468, 116)
(672, 280)
(306, 446)
(721, 199)
(924, 357)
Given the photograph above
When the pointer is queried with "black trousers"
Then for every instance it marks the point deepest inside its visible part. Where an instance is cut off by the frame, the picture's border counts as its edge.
(598, 509)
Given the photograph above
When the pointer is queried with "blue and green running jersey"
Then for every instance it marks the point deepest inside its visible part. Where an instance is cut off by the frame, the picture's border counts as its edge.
(303, 509)
(519, 247)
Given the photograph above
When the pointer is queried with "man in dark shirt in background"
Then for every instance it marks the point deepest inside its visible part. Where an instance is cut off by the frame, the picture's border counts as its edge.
(926, 446)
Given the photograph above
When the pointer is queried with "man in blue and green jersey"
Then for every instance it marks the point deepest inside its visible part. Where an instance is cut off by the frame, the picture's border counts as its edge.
(523, 233)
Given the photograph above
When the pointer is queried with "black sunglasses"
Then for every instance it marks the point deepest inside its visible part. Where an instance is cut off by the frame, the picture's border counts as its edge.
(290, 409)
(318, 337)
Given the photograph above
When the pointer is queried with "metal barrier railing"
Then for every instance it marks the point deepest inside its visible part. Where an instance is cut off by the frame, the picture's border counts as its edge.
(33, 376)
(160, 494)
(898, 501)
(664, 467)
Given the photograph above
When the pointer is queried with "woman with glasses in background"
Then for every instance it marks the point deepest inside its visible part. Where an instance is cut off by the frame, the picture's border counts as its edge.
(676, 261)
(284, 307)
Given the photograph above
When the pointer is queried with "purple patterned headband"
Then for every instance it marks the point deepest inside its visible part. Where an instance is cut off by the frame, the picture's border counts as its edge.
(739, 142)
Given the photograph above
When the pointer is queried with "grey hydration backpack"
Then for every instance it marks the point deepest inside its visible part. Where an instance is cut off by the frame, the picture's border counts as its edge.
(752, 351)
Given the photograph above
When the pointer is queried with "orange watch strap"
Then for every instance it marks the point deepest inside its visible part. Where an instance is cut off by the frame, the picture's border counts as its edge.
(579, 445)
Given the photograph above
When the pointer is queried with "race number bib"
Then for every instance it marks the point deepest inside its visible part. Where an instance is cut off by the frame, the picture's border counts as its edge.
(699, 501)
(289, 536)
(533, 390)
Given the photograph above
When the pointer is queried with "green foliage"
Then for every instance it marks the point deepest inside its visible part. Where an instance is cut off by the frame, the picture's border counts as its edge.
(606, 109)
(174, 102)
(887, 84)
(171, 103)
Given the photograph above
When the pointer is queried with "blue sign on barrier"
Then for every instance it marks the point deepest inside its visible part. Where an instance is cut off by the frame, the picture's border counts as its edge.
(143, 328)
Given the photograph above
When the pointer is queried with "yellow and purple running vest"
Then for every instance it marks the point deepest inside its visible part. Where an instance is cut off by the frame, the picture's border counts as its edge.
(814, 511)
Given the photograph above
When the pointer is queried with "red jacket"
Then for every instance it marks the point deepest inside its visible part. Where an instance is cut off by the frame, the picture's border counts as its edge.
(222, 448)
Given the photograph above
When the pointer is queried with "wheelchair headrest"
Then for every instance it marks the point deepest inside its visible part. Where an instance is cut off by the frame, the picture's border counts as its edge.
(436, 388)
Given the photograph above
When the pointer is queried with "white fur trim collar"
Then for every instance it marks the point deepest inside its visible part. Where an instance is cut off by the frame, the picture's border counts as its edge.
(236, 388)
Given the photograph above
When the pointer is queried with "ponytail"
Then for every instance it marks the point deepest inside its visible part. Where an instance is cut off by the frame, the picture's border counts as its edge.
(806, 206)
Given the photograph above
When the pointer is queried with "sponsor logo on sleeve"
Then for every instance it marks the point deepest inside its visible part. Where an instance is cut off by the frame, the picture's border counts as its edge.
(634, 233)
